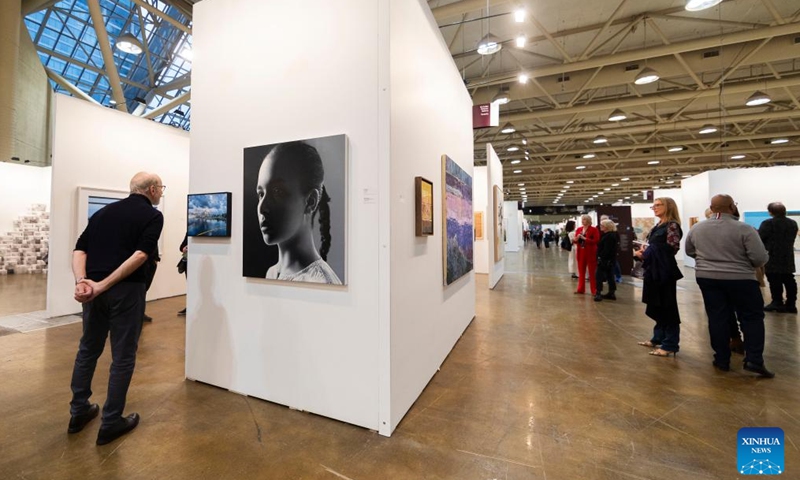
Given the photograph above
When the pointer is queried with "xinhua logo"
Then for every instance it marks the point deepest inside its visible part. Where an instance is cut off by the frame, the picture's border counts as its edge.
(760, 451)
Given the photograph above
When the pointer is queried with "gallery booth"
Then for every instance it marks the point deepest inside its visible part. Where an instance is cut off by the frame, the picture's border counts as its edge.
(371, 87)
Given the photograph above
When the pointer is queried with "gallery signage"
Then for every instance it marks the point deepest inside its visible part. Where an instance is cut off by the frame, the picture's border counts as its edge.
(485, 115)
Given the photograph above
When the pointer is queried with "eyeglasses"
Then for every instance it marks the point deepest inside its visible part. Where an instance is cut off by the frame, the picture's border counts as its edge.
(656, 205)
(162, 187)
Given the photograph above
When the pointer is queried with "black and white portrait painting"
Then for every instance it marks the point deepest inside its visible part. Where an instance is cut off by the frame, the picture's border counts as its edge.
(295, 198)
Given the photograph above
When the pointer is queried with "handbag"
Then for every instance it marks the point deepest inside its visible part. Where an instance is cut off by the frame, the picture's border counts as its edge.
(566, 244)
(182, 265)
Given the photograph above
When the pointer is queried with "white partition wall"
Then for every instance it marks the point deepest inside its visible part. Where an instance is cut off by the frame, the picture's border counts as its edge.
(103, 148)
(22, 186)
(495, 179)
(513, 227)
(480, 204)
(360, 353)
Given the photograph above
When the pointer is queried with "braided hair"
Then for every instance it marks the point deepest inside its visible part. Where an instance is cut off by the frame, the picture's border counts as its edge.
(307, 164)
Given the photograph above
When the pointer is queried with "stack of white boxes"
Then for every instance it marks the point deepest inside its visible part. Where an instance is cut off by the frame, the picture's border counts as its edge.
(25, 248)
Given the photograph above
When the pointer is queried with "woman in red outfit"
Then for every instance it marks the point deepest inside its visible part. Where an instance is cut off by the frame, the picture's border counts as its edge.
(586, 238)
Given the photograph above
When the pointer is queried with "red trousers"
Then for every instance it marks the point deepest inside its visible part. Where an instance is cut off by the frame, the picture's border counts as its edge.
(586, 259)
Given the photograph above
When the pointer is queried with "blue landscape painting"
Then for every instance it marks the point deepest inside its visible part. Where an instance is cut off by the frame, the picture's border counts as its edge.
(457, 243)
(209, 215)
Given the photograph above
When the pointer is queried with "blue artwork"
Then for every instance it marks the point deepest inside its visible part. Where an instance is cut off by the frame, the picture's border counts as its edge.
(96, 203)
(457, 242)
(209, 215)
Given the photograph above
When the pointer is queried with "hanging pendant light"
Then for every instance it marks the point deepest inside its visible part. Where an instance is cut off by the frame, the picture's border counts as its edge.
(707, 128)
(617, 115)
(502, 97)
(600, 139)
(697, 5)
(489, 44)
(758, 98)
(647, 75)
(129, 44)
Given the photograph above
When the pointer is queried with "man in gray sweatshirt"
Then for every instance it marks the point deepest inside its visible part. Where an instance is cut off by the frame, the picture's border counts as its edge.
(727, 252)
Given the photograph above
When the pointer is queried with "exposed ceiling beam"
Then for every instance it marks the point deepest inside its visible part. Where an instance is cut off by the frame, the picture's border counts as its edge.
(645, 53)
(660, 97)
(462, 7)
(176, 84)
(85, 65)
(31, 6)
(167, 106)
(185, 7)
(108, 56)
(68, 86)
(158, 13)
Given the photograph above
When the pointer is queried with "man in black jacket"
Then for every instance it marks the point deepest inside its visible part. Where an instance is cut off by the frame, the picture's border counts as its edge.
(779, 234)
(110, 277)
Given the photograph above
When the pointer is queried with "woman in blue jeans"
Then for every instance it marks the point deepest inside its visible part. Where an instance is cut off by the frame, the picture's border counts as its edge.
(661, 275)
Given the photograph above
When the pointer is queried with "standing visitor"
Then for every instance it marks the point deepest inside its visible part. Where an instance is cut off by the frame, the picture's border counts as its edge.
(586, 238)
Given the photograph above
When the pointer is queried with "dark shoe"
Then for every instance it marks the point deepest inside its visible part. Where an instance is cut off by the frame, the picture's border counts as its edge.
(759, 369)
(182, 313)
(123, 426)
(77, 422)
(610, 296)
(574, 276)
(718, 366)
(737, 346)
(773, 307)
(786, 309)
(147, 318)
(598, 298)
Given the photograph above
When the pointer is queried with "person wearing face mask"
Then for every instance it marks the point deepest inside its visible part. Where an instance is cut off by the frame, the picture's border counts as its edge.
(291, 196)
(727, 253)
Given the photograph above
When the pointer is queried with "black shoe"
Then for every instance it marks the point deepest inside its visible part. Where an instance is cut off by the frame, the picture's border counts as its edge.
(574, 276)
(724, 368)
(773, 307)
(737, 346)
(147, 318)
(610, 296)
(182, 313)
(786, 309)
(123, 426)
(759, 369)
(598, 298)
(77, 422)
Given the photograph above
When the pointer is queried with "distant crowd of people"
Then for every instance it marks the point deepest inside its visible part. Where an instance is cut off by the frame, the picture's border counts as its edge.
(730, 257)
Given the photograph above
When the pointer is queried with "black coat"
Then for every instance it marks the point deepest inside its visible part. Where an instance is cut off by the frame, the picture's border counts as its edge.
(778, 235)
(607, 249)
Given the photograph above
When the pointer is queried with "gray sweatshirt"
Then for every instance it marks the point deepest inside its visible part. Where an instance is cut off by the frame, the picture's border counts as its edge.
(726, 249)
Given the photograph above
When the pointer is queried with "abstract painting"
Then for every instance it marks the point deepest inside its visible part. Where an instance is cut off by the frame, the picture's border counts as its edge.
(457, 221)
(423, 201)
(209, 215)
(478, 223)
(294, 211)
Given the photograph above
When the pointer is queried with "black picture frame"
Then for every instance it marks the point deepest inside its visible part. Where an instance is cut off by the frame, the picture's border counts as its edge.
(218, 225)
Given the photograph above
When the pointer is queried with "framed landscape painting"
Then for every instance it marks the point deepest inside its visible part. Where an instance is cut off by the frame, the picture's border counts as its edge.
(456, 220)
(209, 215)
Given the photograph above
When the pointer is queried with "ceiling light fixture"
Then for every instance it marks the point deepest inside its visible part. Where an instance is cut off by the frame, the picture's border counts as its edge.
(580, 167)
(697, 5)
(502, 97)
(589, 155)
(607, 189)
(670, 182)
(514, 162)
(737, 157)
(647, 75)
(617, 115)
(521, 41)
(524, 142)
(570, 181)
(519, 15)
(758, 98)
(653, 162)
(489, 44)
(127, 43)
(517, 171)
(625, 179)
(675, 149)
(520, 184)
(522, 78)
(707, 128)
(778, 141)
(508, 129)
(615, 184)
(512, 148)
(600, 139)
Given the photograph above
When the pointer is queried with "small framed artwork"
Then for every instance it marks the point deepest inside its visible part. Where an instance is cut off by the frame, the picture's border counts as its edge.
(424, 206)
(209, 215)
(478, 223)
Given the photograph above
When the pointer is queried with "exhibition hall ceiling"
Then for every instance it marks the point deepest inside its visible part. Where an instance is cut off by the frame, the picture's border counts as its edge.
(581, 59)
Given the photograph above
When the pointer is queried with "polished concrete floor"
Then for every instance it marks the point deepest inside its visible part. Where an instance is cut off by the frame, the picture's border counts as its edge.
(543, 384)
(22, 293)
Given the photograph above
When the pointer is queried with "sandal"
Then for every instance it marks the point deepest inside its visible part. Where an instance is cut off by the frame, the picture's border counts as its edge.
(648, 344)
(663, 353)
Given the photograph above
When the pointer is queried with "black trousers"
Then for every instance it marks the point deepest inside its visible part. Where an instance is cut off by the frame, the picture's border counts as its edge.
(723, 299)
(118, 311)
(779, 281)
(605, 274)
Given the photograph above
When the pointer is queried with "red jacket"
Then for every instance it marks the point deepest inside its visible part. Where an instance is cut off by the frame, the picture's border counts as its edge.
(589, 248)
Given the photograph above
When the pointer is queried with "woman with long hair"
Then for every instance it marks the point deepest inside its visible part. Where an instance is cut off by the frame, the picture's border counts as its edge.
(586, 238)
(291, 195)
(661, 275)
